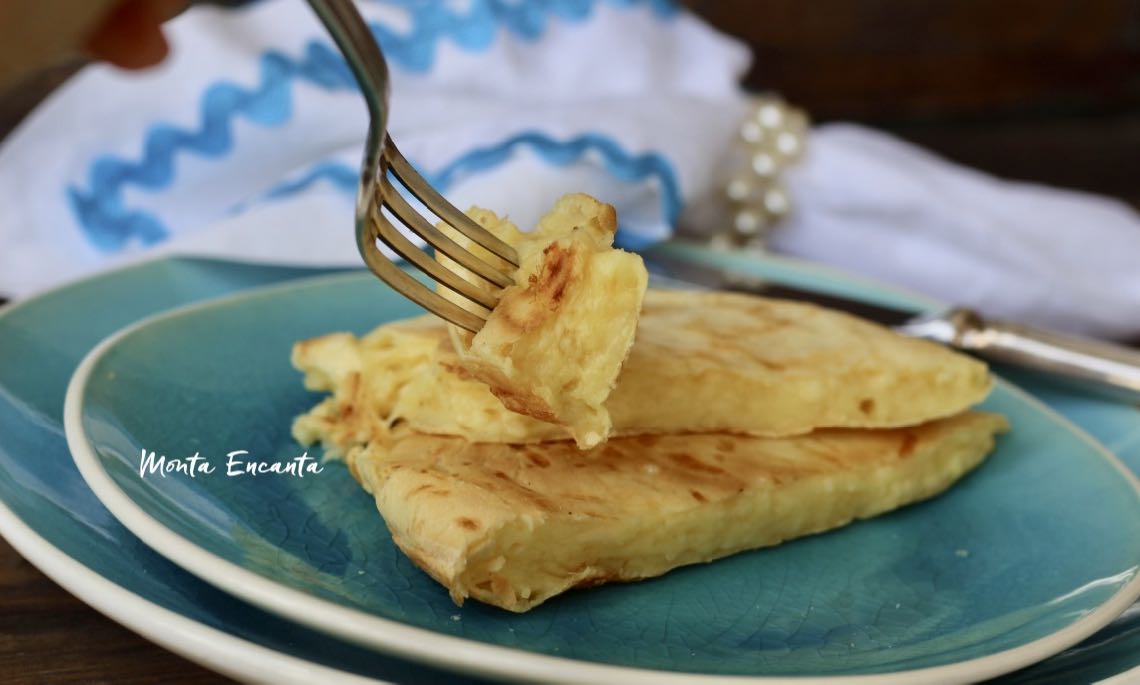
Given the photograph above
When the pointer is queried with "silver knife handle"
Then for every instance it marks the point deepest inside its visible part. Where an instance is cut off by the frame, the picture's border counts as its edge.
(1092, 364)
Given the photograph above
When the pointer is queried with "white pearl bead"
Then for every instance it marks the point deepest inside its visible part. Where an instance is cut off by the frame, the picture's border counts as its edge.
(772, 137)
(764, 164)
(740, 189)
(788, 144)
(752, 132)
(770, 115)
(748, 222)
(776, 201)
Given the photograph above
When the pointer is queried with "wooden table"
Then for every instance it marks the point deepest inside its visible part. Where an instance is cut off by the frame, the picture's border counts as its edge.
(47, 635)
(1054, 108)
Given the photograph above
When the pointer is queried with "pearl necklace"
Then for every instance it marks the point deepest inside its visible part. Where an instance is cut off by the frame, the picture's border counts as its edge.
(771, 139)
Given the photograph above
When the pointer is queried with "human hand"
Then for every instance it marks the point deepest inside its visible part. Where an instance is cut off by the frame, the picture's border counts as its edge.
(35, 34)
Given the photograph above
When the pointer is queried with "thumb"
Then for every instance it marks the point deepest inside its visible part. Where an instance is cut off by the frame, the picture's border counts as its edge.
(131, 34)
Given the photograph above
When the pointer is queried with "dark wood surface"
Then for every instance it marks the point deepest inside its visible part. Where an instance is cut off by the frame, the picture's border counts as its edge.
(49, 636)
(1038, 90)
(873, 59)
(1042, 90)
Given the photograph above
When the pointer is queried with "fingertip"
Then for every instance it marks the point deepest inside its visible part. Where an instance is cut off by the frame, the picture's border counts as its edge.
(131, 36)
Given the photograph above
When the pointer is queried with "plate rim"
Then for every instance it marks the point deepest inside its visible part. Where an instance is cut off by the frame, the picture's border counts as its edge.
(472, 656)
(126, 607)
(193, 640)
(222, 651)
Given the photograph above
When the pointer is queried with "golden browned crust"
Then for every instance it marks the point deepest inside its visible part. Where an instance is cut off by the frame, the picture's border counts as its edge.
(514, 525)
(364, 377)
(540, 298)
(701, 362)
(554, 344)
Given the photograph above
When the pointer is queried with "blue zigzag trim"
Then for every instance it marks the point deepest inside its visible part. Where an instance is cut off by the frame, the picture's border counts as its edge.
(101, 211)
(618, 163)
(475, 30)
(340, 175)
(110, 224)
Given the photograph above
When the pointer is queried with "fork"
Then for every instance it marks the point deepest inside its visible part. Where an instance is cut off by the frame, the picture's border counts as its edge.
(382, 161)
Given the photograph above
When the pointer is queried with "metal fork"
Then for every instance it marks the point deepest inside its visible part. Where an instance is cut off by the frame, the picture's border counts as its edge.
(381, 159)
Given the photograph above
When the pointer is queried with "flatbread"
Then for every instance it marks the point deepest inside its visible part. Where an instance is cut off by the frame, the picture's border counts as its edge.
(515, 525)
(364, 377)
(555, 342)
(701, 362)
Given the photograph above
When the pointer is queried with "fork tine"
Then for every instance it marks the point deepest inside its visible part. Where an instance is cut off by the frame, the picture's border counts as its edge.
(409, 251)
(436, 238)
(421, 295)
(431, 198)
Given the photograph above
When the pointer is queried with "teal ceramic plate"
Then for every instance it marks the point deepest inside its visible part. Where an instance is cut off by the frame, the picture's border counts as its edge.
(54, 520)
(48, 514)
(1032, 553)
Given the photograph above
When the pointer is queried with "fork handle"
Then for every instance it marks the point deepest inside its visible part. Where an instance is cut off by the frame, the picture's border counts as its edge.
(356, 42)
(367, 63)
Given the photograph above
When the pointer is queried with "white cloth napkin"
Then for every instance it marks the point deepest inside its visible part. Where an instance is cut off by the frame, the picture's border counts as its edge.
(246, 144)
(870, 203)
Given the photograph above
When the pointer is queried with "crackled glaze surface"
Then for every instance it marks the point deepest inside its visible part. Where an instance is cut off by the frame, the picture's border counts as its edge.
(1012, 554)
(41, 342)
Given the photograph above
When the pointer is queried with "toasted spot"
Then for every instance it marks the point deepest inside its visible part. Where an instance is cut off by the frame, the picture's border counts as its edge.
(501, 586)
(524, 403)
(538, 500)
(456, 369)
(909, 440)
(600, 579)
(867, 406)
(537, 459)
(697, 495)
(690, 462)
(467, 523)
(545, 291)
(556, 271)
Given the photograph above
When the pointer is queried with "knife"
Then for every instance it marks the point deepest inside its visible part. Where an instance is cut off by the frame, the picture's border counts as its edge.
(1093, 365)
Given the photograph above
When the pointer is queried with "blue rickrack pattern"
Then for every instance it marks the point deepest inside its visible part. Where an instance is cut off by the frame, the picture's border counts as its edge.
(110, 224)
(620, 164)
